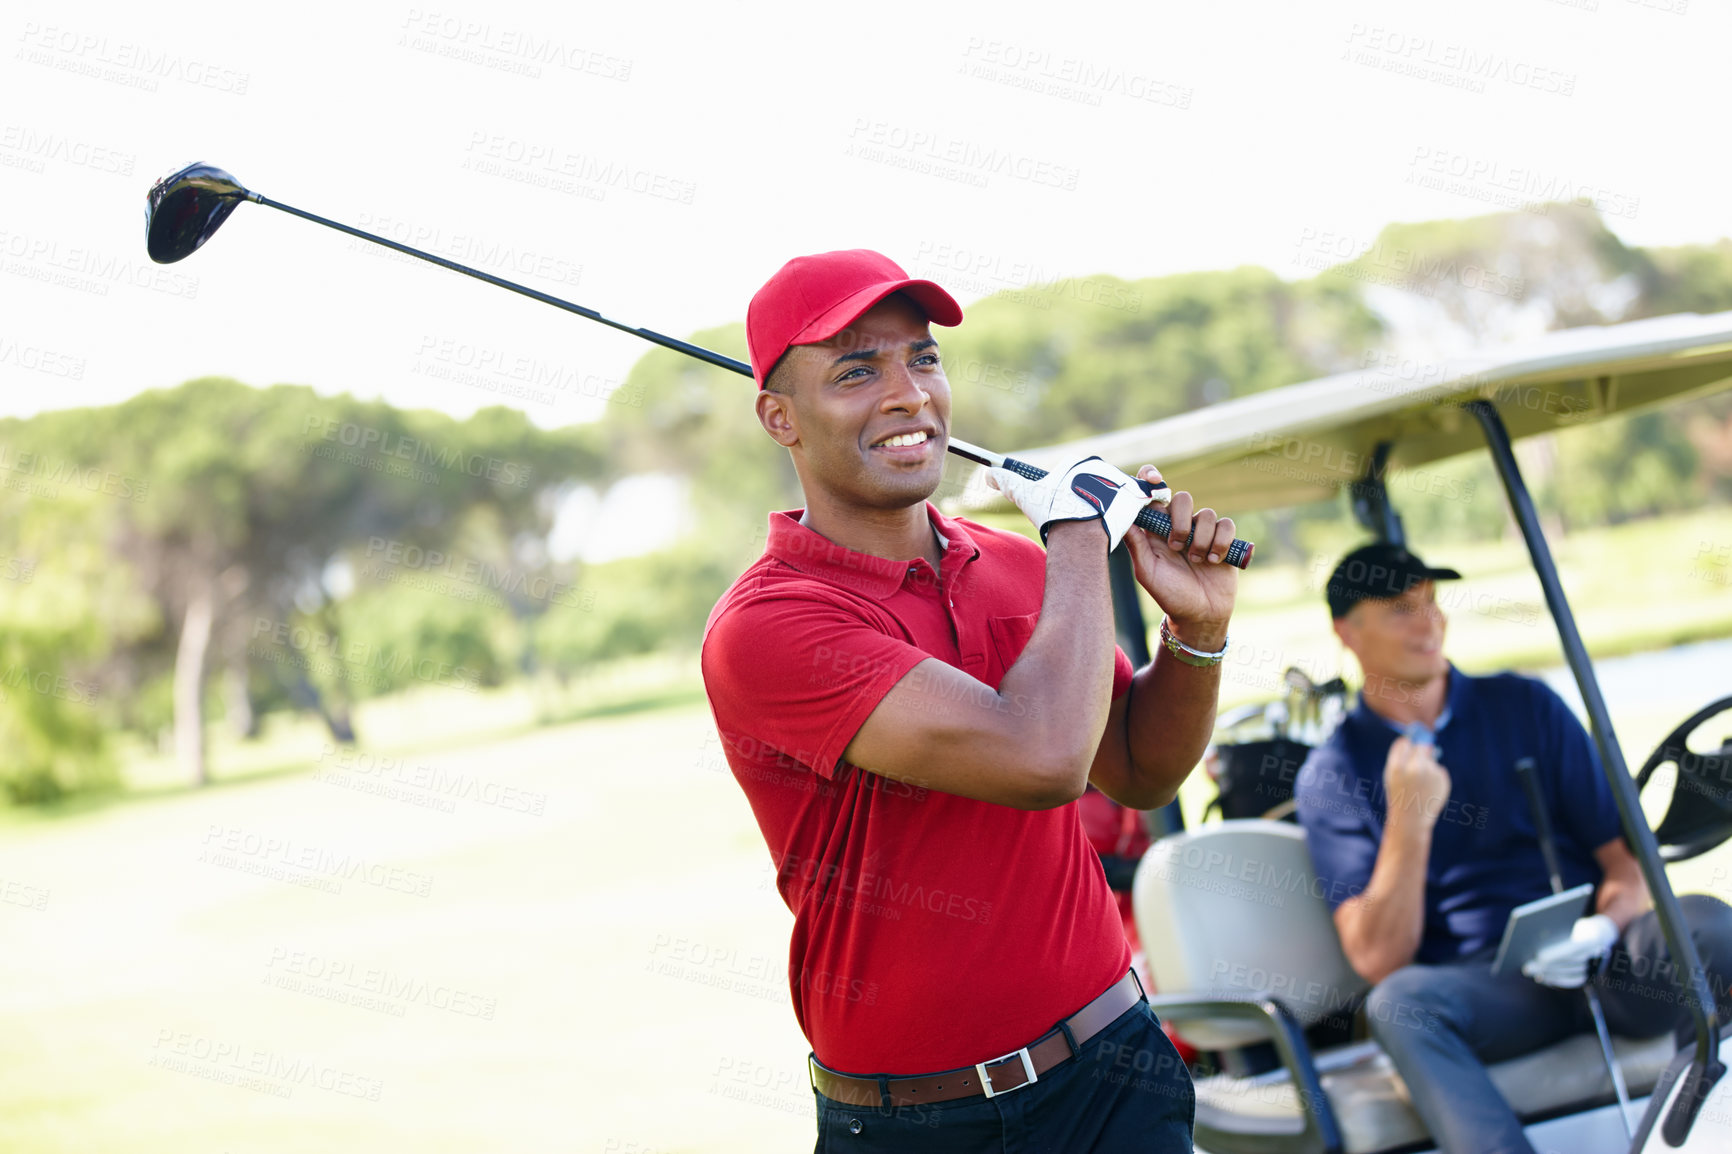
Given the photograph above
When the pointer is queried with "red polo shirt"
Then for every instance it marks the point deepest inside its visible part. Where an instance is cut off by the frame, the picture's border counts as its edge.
(931, 931)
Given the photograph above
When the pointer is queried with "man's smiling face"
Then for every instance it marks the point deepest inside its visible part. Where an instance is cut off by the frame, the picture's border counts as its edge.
(865, 413)
(1398, 637)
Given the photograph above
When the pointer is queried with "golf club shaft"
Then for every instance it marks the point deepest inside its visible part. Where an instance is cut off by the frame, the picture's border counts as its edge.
(1151, 518)
(707, 355)
(1527, 771)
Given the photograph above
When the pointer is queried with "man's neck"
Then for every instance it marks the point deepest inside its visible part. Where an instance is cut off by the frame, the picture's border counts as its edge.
(1402, 703)
(895, 534)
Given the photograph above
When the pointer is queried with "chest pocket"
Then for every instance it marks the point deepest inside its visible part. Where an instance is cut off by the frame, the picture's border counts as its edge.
(1009, 637)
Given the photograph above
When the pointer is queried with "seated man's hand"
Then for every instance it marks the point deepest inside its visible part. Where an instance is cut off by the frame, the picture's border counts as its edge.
(1091, 489)
(1414, 783)
(1566, 964)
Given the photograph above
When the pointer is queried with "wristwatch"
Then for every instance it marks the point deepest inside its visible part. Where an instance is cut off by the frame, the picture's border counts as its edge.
(1188, 655)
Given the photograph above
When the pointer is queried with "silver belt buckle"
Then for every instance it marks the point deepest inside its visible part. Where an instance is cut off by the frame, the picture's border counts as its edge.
(1027, 1068)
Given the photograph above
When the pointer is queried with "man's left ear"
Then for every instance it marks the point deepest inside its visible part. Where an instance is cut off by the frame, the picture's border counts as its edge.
(776, 414)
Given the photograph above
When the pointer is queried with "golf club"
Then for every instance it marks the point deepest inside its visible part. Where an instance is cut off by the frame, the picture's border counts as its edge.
(185, 208)
(1527, 771)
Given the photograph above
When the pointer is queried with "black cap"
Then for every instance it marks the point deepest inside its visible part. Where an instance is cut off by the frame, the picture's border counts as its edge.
(1375, 572)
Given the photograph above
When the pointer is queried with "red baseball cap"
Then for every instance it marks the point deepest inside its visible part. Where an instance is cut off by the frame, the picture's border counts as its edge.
(812, 298)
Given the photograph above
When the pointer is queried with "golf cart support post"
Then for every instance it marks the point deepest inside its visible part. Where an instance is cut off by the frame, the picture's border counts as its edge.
(1706, 1069)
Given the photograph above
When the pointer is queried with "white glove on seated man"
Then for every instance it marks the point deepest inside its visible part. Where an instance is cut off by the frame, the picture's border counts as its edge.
(1088, 490)
(1565, 964)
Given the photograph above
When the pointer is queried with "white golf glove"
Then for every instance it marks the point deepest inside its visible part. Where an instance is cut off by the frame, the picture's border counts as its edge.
(1091, 489)
(1565, 965)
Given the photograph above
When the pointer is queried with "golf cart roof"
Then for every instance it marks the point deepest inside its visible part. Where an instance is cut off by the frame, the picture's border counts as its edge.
(1303, 442)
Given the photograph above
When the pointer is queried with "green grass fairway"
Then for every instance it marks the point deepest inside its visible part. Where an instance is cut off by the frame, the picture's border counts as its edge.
(606, 976)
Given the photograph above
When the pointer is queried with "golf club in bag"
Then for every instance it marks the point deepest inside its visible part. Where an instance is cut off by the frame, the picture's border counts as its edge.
(184, 209)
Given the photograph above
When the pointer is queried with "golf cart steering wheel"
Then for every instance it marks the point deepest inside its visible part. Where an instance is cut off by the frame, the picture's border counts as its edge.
(1699, 816)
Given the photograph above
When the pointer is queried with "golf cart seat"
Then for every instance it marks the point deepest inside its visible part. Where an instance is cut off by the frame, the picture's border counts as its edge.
(1243, 949)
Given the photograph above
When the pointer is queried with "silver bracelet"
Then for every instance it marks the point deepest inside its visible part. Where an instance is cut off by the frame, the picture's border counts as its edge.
(1188, 655)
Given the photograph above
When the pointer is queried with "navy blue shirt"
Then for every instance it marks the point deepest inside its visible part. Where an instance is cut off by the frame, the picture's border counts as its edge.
(1485, 854)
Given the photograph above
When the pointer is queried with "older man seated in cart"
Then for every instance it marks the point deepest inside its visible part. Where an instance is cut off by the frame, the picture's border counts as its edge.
(1424, 840)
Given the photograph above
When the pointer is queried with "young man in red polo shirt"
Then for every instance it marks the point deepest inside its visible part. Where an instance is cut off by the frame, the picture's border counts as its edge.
(913, 704)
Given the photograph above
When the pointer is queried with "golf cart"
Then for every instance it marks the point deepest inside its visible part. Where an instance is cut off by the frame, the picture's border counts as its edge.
(1265, 976)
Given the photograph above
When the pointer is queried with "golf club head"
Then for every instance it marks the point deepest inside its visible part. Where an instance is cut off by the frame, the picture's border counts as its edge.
(185, 208)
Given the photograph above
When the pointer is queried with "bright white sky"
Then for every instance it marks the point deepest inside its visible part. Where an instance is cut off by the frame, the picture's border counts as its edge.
(658, 162)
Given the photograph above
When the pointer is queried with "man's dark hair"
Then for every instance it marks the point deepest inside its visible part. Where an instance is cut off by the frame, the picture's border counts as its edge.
(777, 381)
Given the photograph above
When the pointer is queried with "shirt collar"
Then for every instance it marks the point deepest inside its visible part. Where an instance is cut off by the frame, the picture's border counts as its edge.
(878, 577)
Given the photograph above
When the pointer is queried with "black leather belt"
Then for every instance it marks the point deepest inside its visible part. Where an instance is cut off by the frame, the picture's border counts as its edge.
(1020, 1067)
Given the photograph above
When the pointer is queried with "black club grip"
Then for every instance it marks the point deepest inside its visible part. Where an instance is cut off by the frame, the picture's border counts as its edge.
(1153, 518)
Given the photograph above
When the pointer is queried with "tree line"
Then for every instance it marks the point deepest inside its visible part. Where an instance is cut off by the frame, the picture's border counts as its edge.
(221, 550)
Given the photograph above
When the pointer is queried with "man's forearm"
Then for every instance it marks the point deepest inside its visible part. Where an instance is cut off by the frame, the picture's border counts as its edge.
(1170, 720)
(1623, 895)
(1066, 667)
(1384, 924)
